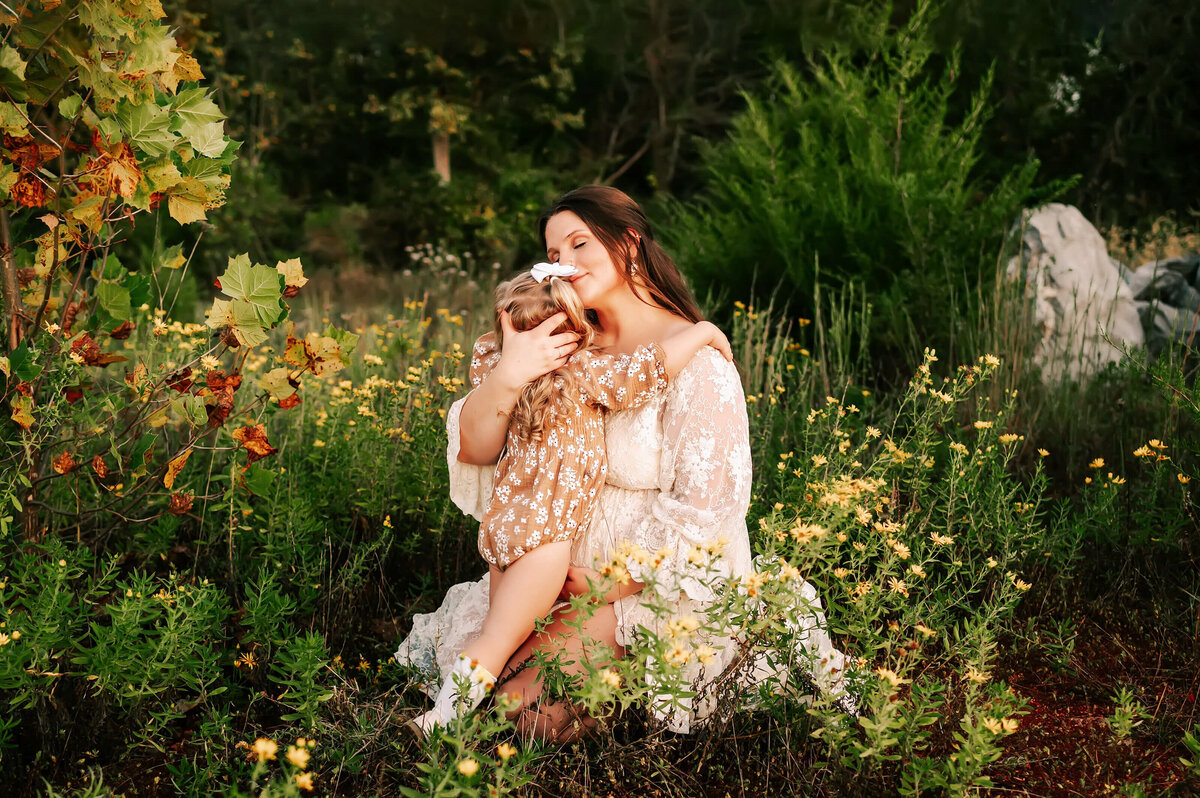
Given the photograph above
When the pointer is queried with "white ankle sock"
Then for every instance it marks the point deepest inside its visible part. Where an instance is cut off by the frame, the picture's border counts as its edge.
(451, 702)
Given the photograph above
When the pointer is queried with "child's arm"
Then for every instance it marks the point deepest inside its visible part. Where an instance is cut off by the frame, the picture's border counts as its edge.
(620, 382)
(682, 346)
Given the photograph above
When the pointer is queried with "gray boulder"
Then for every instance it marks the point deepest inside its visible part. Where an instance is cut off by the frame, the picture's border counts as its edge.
(1077, 291)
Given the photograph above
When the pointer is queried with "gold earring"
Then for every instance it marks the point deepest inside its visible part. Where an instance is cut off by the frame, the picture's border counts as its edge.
(632, 268)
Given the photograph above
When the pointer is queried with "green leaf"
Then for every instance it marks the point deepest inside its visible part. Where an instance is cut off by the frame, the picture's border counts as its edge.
(12, 119)
(110, 130)
(193, 410)
(69, 106)
(21, 363)
(258, 480)
(192, 110)
(346, 341)
(147, 127)
(141, 450)
(239, 316)
(209, 140)
(115, 301)
(12, 73)
(261, 286)
(141, 289)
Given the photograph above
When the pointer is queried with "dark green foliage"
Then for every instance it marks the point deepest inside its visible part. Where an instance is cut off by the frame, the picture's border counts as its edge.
(856, 169)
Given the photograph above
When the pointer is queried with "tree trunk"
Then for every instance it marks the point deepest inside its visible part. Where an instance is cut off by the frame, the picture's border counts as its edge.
(441, 155)
(12, 295)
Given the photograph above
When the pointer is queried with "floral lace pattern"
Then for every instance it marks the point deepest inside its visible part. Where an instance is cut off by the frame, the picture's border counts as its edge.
(678, 478)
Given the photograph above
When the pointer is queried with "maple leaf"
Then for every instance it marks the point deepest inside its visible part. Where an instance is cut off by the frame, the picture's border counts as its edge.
(188, 201)
(174, 467)
(259, 285)
(279, 383)
(293, 276)
(64, 463)
(241, 319)
(254, 440)
(179, 503)
(320, 354)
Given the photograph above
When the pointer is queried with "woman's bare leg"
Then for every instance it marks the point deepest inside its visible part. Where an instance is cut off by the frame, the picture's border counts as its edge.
(526, 592)
(557, 721)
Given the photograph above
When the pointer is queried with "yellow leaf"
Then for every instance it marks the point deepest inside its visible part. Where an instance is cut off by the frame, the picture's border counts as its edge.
(293, 273)
(278, 383)
(22, 411)
(174, 467)
(185, 209)
(163, 176)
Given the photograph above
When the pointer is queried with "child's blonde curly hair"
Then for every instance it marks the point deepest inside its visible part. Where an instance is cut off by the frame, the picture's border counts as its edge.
(528, 304)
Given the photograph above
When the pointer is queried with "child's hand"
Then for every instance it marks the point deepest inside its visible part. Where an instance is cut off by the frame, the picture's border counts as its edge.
(577, 582)
(720, 343)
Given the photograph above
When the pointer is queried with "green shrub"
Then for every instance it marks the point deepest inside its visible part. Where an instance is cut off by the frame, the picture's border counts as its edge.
(853, 160)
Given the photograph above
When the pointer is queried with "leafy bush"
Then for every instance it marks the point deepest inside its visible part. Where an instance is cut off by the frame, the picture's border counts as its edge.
(851, 168)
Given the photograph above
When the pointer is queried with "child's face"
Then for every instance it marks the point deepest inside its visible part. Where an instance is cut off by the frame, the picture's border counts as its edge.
(571, 243)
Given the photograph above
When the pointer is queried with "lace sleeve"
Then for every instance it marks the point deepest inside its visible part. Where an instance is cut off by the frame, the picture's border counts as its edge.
(704, 474)
(620, 382)
(471, 485)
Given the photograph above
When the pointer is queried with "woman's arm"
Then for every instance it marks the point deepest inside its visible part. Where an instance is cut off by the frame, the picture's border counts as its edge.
(526, 356)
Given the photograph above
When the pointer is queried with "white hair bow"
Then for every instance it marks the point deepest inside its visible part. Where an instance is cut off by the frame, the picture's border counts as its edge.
(541, 271)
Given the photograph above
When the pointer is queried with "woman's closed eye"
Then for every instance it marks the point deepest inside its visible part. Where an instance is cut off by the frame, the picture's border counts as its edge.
(580, 244)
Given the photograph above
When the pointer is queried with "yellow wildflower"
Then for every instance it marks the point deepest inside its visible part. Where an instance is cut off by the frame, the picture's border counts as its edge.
(891, 677)
(1097, 463)
(304, 781)
(265, 749)
(872, 432)
(916, 570)
(898, 586)
(1009, 724)
(468, 767)
(925, 630)
(4, 639)
(504, 751)
(983, 425)
(1155, 443)
(609, 677)
(941, 540)
(1008, 437)
(1143, 451)
(298, 756)
(992, 725)
(841, 573)
(1183, 478)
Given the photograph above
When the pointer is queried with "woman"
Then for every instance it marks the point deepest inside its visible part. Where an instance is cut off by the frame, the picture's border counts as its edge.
(678, 466)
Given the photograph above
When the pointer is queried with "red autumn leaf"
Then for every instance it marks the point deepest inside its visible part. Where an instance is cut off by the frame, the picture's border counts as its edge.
(87, 348)
(254, 439)
(25, 389)
(72, 394)
(180, 380)
(122, 332)
(64, 463)
(216, 380)
(289, 402)
(99, 466)
(29, 191)
(217, 283)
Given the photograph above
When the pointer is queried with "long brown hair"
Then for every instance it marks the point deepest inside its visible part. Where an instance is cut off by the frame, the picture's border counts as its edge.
(611, 215)
(529, 303)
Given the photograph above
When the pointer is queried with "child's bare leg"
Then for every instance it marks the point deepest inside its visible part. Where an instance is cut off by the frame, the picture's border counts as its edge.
(494, 583)
(526, 592)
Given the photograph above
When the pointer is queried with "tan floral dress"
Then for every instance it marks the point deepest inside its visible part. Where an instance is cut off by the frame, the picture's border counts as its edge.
(546, 491)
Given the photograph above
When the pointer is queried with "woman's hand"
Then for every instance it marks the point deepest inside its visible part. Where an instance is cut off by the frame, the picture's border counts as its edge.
(483, 423)
(525, 356)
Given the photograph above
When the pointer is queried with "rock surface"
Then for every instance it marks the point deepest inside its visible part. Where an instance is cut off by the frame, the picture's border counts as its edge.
(1078, 294)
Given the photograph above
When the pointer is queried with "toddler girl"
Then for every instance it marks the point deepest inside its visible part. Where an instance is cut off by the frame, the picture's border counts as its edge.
(550, 471)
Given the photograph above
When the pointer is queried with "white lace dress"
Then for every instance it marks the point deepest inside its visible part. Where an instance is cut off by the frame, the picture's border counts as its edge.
(678, 476)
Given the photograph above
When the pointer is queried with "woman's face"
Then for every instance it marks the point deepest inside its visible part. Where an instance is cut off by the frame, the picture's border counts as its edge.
(570, 242)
